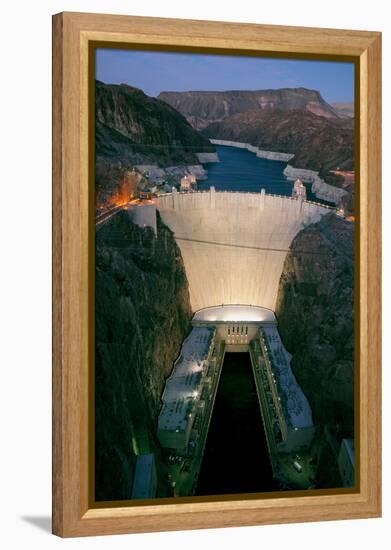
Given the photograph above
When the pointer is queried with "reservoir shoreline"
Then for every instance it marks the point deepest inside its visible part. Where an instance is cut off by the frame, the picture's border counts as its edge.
(269, 155)
(319, 187)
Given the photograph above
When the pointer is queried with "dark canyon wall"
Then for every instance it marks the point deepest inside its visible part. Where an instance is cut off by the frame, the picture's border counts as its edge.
(142, 316)
(316, 317)
(315, 312)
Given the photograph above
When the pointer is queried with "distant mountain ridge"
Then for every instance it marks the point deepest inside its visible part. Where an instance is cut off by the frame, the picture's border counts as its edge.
(290, 120)
(318, 143)
(202, 108)
(344, 109)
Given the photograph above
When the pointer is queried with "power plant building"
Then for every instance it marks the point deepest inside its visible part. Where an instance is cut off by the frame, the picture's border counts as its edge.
(184, 390)
(289, 404)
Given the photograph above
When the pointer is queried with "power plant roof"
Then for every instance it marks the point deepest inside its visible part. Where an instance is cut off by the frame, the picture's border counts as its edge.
(181, 388)
(297, 409)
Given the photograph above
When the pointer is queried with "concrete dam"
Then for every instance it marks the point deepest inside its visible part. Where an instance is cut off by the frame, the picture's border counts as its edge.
(234, 244)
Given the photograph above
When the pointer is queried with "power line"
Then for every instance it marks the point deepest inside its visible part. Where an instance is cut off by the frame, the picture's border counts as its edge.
(244, 246)
(261, 248)
(231, 245)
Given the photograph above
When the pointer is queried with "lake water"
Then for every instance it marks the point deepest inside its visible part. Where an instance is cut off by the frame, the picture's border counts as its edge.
(240, 170)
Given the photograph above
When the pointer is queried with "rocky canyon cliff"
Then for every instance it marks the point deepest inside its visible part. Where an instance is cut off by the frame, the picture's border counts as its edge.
(202, 108)
(291, 120)
(315, 312)
(142, 316)
(133, 127)
(315, 315)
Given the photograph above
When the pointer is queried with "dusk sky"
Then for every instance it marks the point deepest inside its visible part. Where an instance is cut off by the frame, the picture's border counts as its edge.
(155, 72)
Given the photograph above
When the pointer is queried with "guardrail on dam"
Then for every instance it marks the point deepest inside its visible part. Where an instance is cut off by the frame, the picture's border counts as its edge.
(234, 244)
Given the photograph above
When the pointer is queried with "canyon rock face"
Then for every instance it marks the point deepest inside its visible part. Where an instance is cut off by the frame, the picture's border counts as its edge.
(202, 108)
(136, 128)
(133, 129)
(142, 316)
(318, 143)
(316, 319)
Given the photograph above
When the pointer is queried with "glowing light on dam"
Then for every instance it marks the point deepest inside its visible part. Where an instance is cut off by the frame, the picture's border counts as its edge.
(235, 313)
(234, 244)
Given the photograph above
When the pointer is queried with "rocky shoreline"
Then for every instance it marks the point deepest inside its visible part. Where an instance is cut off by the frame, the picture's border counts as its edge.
(177, 172)
(320, 188)
(204, 158)
(269, 155)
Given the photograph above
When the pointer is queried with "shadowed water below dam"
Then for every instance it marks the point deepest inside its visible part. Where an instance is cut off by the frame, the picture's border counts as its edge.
(236, 458)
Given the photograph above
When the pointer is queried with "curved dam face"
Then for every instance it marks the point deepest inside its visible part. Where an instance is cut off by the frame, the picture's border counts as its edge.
(234, 244)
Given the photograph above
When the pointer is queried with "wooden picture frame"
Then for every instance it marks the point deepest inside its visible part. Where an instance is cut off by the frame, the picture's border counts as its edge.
(73, 512)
